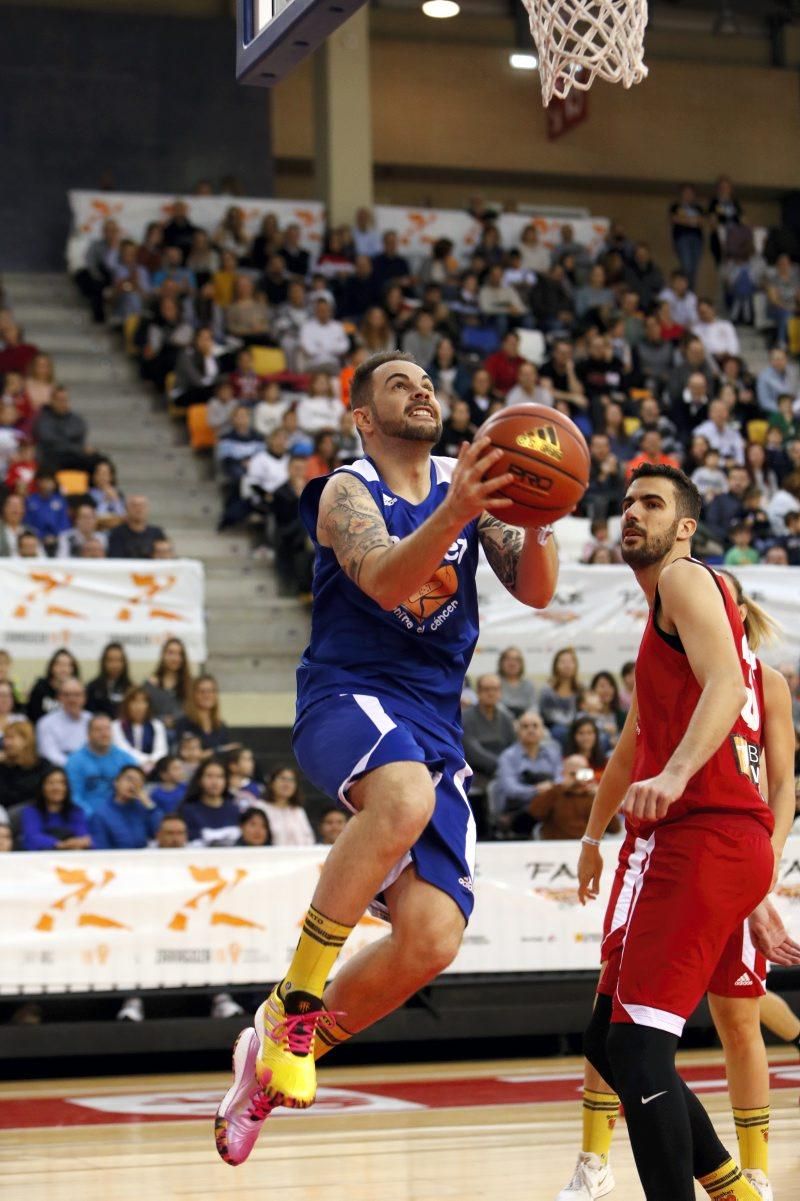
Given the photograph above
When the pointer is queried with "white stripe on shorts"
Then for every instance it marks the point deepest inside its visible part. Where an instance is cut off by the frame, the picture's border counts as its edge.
(659, 1019)
(631, 882)
(646, 1015)
(383, 724)
(472, 830)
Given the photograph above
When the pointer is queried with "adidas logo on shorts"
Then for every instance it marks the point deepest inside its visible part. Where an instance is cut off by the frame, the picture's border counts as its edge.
(466, 882)
(743, 980)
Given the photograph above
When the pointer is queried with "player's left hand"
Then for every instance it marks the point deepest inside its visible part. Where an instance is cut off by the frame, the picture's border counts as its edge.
(649, 800)
(770, 936)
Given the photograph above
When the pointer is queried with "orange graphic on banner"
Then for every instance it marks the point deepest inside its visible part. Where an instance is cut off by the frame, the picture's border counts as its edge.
(101, 210)
(418, 223)
(46, 582)
(149, 587)
(217, 884)
(80, 886)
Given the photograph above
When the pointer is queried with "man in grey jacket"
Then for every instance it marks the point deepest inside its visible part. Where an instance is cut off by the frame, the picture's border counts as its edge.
(61, 436)
(488, 730)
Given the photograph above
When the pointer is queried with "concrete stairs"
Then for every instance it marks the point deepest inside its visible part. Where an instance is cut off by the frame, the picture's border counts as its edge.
(254, 636)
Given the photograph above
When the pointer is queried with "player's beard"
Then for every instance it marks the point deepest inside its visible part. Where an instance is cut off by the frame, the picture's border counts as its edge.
(410, 430)
(650, 550)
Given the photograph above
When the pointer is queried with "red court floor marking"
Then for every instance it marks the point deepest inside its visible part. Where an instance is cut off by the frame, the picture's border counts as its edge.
(183, 1105)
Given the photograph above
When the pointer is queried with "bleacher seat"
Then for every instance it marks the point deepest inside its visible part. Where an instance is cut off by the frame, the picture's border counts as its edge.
(129, 328)
(757, 430)
(201, 435)
(268, 360)
(72, 483)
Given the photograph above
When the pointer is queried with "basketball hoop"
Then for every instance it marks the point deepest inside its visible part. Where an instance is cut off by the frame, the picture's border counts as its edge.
(581, 40)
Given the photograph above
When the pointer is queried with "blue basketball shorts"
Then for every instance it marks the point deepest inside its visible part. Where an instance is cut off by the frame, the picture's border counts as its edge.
(338, 740)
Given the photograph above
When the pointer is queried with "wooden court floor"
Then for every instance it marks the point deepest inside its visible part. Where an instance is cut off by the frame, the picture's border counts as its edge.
(501, 1131)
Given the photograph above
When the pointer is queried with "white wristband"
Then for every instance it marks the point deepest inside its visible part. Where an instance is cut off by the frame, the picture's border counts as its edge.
(591, 842)
(543, 533)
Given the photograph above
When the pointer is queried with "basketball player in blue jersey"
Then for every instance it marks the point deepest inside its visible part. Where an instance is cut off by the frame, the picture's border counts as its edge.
(394, 625)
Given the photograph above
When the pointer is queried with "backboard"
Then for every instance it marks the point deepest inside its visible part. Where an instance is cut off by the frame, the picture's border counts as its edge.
(273, 36)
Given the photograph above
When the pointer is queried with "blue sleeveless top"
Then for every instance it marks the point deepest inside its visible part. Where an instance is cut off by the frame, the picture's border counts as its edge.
(415, 656)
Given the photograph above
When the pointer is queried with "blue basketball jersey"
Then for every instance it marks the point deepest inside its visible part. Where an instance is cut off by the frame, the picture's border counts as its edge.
(417, 655)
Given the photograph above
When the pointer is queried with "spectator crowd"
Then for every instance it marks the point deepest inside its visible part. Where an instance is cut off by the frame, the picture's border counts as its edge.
(256, 340)
(116, 764)
(59, 494)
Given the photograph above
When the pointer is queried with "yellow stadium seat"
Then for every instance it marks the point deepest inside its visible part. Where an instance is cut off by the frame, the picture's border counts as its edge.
(73, 483)
(631, 424)
(757, 431)
(201, 435)
(129, 328)
(268, 360)
(794, 335)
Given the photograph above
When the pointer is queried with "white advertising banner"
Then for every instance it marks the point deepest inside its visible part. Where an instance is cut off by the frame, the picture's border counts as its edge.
(84, 603)
(148, 919)
(601, 612)
(417, 228)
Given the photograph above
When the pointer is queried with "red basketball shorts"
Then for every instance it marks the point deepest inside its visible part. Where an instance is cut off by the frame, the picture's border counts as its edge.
(675, 923)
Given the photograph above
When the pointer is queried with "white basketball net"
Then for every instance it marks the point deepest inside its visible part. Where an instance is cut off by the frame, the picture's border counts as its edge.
(580, 40)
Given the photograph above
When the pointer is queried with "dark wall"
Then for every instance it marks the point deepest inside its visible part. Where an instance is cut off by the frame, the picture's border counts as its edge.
(149, 101)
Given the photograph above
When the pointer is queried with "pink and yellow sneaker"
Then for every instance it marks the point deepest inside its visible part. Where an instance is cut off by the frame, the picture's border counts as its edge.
(245, 1107)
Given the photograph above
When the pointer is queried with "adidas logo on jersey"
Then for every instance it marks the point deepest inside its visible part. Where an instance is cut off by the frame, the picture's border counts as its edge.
(389, 500)
(743, 980)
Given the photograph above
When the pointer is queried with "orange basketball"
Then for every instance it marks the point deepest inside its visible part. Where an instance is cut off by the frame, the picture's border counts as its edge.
(549, 458)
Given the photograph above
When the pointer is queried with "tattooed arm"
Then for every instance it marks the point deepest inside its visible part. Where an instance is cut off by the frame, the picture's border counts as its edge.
(350, 523)
(528, 570)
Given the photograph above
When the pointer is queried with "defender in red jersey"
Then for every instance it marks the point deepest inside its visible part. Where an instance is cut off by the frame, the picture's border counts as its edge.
(701, 859)
(736, 992)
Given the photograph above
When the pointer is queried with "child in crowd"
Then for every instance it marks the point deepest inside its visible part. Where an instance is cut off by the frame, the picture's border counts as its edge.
(190, 755)
(791, 542)
(46, 510)
(742, 551)
(710, 479)
(22, 472)
(170, 788)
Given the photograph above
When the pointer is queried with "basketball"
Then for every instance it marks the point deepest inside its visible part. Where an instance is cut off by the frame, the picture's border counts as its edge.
(549, 458)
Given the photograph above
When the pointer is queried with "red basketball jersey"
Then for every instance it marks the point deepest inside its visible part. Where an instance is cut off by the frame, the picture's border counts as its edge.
(667, 694)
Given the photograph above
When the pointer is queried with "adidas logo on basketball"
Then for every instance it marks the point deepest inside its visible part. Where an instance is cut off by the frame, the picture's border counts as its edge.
(743, 980)
(545, 440)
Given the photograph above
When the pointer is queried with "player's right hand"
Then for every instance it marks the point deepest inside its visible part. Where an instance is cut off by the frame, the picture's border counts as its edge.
(590, 869)
(469, 493)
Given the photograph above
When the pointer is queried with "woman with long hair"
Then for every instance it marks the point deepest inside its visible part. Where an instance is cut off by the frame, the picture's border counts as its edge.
(255, 831)
(284, 806)
(169, 687)
(40, 380)
(8, 716)
(62, 665)
(137, 732)
(241, 765)
(231, 233)
(517, 692)
(611, 717)
(53, 822)
(202, 716)
(739, 1004)
(583, 738)
(558, 700)
(109, 502)
(375, 332)
(759, 470)
(449, 378)
(21, 768)
(210, 813)
(105, 692)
